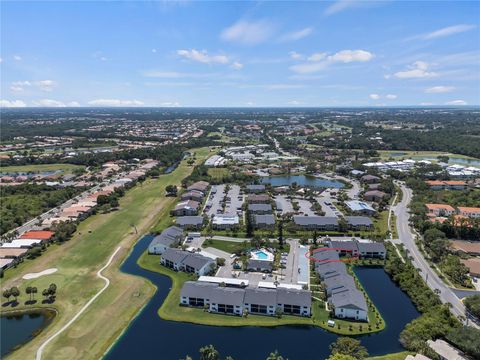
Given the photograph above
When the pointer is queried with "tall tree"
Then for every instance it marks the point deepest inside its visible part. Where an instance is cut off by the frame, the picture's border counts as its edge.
(209, 353)
(349, 346)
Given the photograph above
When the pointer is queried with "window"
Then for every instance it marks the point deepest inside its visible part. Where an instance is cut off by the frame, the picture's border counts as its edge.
(261, 309)
(196, 302)
(228, 309)
(291, 309)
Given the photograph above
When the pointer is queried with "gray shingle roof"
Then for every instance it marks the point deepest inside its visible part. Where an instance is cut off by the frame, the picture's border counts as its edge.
(189, 220)
(168, 237)
(265, 219)
(196, 261)
(263, 264)
(352, 299)
(260, 207)
(197, 289)
(372, 247)
(261, 296)
(255, 187)
(174, 255)
(227, 295)
(358, 220)
(294, 297)
(315, 220)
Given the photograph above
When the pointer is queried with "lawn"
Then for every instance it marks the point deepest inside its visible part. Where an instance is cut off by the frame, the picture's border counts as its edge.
(171, 310)
(65, 168)
(77, 262)
(396, 356)
(218, 173)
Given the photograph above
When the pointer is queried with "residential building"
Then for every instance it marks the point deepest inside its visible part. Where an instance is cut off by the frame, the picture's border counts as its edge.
(259, 265)
(186, 208)
(360, 208)
(359, 223)
(349, 304)
(374, 195)
(294, 301)
(445, 351)
(38, 234)
(440, 209)
(258, 199)
(447, 185)
(169, 237)
(180, 260)
(264, 221)
(370, 179)
(199, 186)
(471, 212)
(255, 189)
(227, 300)
(225, 221)
(194, 195)
(324, 223)
(467, 247)
(190, 222)
(260, 301)
(260, 209)
(196, 293)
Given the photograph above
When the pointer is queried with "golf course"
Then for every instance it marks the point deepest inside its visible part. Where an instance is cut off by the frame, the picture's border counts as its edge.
(78, 262)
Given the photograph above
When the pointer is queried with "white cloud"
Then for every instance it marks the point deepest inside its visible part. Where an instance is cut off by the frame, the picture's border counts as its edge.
(295, 102)
(344, 56)
(248, 32)
(17, 57)
(439, 89)
(203, 57)
(426, 104)
(115, 102)
(73, 104)
(417, 70)
(236, 65)
(391, 96)
(48, 103)
(295, 55)
(447, 31)
(283, 86)
(378, 96)
(12, 103)
(44, 85)
(296, 35)
(374, 96)
(456, 102)
(154, 51)
(170, 104)
(98, 55)
(249, 103)
(317, 57)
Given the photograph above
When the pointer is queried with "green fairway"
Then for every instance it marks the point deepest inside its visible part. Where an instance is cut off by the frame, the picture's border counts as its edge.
(77, 262)
(65, 168)
(396, 356)
(171, 310)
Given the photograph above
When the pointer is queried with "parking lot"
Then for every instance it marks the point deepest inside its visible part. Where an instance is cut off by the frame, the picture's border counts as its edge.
(234, 201)
(305, 207)
(214, 202)
(284, 203)
(326, 202)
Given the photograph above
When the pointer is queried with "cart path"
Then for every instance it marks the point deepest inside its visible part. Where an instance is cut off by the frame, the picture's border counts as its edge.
(85, 307)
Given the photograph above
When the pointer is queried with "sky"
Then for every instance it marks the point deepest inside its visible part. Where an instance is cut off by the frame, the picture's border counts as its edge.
(239, 54)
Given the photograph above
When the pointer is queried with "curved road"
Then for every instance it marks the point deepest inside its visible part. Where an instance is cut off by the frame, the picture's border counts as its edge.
(407, 237)
(77, 315)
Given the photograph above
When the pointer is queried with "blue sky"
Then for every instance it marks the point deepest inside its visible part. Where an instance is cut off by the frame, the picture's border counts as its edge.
(147, 53)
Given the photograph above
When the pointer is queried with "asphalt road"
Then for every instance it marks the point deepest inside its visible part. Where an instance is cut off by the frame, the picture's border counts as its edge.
(407, 237)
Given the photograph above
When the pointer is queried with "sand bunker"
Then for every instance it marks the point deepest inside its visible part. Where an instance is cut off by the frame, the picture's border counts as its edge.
(38, 274)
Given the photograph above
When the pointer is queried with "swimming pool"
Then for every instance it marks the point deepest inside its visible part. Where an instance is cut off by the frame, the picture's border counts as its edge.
(261, 255)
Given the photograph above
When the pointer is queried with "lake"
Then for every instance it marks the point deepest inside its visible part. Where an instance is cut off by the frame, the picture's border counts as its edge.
(150, 337)
(20, 328)
(302, 180)
(451, 160)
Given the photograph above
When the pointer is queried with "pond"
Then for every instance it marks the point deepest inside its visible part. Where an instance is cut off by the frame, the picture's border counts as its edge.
(150, 337)
(451, 160)
(20, 328)
(302, 180)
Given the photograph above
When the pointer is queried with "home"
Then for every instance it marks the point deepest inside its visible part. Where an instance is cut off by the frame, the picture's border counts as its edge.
(186, 208)
(199, 186)
(227, 300)
(473, 266)
(445, 351)
(196, 293)
(370, 179)
(447, 185)
(471, 212)
(467, 247)
(264, 221)
(374, 195)
(259, 265)
(190, 222)
(38, 235)
(360, 207)
(260, 209)
(349, 304)
(255, 189)
(294, 301)
(344, 248)
(372, 250)
(359, 223)
(260, 301)
(169, 237)
(258, 199)
(193, 195)
(225, 221)
(325, 223)
(440, 209)
(180, 260)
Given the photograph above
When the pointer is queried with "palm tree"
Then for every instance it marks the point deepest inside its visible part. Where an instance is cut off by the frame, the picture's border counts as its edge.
(15, 292)
(209, 353)
(28, 291)
(45, 293)
(6, 294)
(34, 291)
(275, 356)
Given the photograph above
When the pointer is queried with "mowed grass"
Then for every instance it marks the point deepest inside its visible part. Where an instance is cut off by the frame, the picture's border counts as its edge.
(78, 261)
(171, 310)
(396, 356)
(65, 168)
(218, 173)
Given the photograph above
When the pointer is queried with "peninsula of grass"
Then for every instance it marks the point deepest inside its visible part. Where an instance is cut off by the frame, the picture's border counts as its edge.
(38, 168)
(78, 261)
(172, 311)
